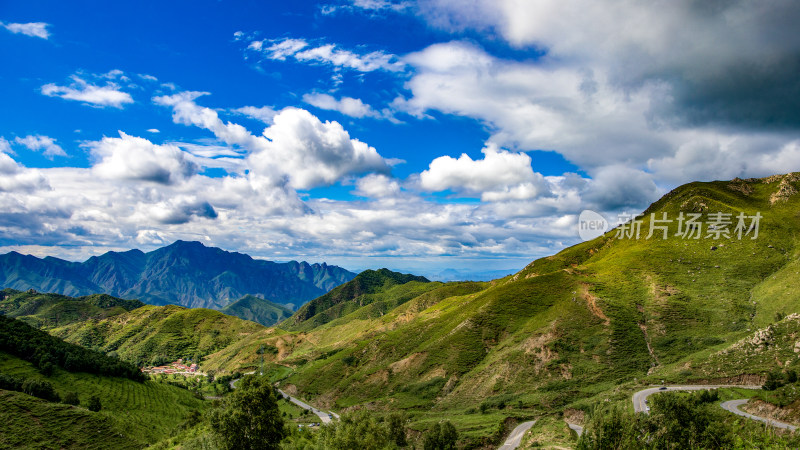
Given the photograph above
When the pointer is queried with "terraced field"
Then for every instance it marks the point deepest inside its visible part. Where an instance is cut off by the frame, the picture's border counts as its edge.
(145, 412)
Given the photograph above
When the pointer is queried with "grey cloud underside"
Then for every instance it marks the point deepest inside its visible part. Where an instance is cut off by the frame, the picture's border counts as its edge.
(747, 96)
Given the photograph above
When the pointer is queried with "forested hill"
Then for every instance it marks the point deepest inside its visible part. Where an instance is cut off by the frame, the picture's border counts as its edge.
(184, 273)
(47, 352)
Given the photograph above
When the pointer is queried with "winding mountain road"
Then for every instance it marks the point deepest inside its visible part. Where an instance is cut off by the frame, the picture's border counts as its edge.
(640, 398)
(640, 402)
(733, 406)
(325, 417)
(515, 438)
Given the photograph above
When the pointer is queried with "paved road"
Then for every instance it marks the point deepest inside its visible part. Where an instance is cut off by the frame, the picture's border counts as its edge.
(576, 428)
(640, 398)
(733, 406)
(324, 416)
(515, 438)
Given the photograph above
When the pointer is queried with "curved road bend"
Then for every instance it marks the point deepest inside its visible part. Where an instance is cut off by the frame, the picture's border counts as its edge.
(733, 406)
(640, 398)
(515, 438)
(576, 428)
(324, 416)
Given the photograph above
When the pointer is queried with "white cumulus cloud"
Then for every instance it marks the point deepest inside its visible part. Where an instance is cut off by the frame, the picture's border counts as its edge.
(80, 90)
(134, 158)
(314, 153)
(377, 186)
(16, 178)
(500, 175)
(297, 147)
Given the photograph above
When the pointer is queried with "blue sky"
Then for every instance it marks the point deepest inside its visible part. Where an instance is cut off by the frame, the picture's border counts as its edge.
(418, 135)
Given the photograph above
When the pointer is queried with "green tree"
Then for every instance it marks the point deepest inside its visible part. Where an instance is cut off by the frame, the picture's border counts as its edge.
(610, 429)
(40, 388)
(94, 404)
(250, 418)
(355, 431)
(441, 437)
(71, 398)
(773, 381)
(397, 431)
(449, 435)
(676, 421)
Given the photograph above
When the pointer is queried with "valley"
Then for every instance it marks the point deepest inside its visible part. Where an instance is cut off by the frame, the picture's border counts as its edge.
(566, 342)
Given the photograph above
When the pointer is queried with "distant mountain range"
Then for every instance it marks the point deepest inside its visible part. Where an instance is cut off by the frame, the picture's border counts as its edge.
(184, 273)
(471, 275)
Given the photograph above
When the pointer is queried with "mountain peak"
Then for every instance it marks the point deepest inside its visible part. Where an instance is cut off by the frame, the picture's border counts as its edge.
(180, 244)
(334, 304)
(187, 273)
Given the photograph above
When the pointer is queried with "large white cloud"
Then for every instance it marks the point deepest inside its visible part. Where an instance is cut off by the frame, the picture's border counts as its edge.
(500, 175)
(15, 178)
(297, 148)
(534, 106)
(134, 158)
(315, 153)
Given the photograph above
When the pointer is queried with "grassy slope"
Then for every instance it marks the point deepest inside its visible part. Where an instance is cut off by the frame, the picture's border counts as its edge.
(135, 331)
(160, 333)
(53, 310)
(566, 328)
(381, 288)
(133, 415)
(257, 310)
(29, 422)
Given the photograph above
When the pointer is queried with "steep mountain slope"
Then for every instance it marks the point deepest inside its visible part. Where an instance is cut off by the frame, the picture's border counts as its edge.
(257, 310)
(370, 286)
(54, 310)
(185, 273)
(133, 414)
(133, 409)
(567, 327)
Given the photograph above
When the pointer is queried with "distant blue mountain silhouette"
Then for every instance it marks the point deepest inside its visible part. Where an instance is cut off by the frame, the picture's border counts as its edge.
(184, 273)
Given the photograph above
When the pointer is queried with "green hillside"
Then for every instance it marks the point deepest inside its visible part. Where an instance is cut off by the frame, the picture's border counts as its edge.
(159, 334)
(570, 331)
(133, 414)
(114, 403)
(53, 310)
(29, 422)
(383, 288)
(564, 331)
(257, 310)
